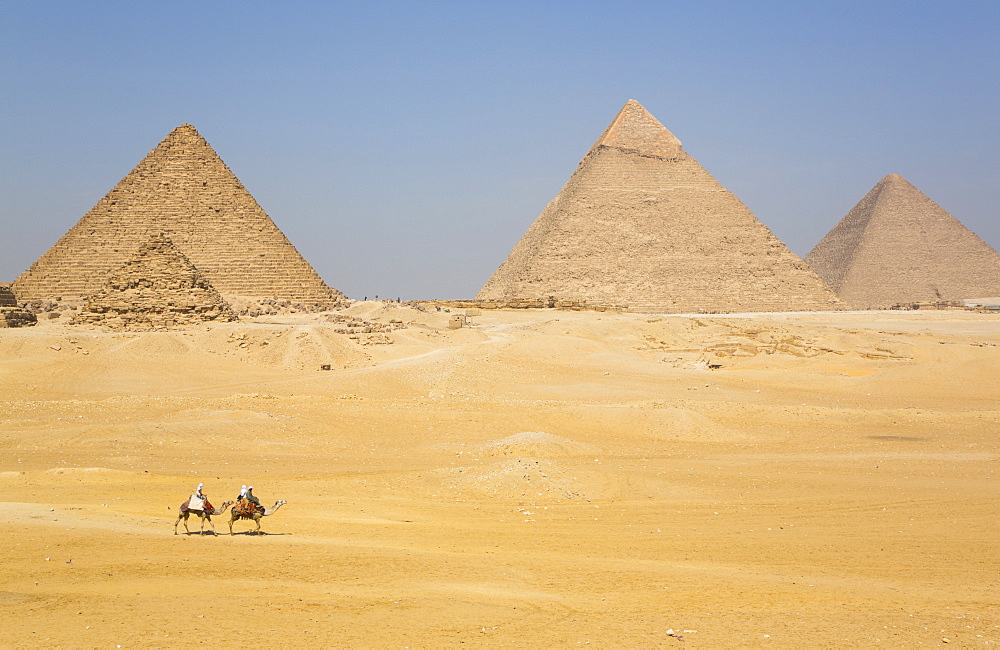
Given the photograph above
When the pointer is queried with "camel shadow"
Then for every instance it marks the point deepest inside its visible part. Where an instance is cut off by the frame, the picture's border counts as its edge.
(255, 533)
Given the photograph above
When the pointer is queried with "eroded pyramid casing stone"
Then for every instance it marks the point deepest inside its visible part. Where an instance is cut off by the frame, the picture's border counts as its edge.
(641, 224)
(897, 246)
(185, 191)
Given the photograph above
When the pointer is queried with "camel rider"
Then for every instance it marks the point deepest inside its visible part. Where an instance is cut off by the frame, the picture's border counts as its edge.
(248, 495)
(198, 499)
(243, 494)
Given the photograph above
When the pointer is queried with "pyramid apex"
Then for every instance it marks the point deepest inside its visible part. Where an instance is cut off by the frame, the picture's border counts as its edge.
(185, 129)
(636, 129)
(896, 183)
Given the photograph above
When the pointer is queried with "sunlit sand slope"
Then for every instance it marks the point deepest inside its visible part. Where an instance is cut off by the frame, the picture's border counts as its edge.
(540, 478)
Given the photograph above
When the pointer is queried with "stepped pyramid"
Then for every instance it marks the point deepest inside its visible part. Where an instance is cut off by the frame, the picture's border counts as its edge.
(898, 246)
(184, 190)
(640, 223)
(158, 287)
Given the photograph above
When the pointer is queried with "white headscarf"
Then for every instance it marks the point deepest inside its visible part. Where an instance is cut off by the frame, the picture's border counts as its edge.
(243, 491)
(200, 485)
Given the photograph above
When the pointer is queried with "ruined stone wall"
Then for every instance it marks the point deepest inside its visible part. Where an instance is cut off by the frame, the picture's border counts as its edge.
(16, 317)
(7, 298)
(183, 189)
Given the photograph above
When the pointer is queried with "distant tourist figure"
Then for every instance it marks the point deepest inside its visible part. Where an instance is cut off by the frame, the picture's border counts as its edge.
(243, 493)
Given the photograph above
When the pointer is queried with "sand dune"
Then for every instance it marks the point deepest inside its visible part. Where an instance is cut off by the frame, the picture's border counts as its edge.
(540, 478)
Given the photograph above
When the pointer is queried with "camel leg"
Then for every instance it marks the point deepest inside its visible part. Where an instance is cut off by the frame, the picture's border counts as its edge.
(177, 522)
(257, 521)
(231, 520)
(210, 523)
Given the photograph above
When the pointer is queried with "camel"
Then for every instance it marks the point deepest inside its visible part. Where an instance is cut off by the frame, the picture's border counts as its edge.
(204, 515)
(256, 516)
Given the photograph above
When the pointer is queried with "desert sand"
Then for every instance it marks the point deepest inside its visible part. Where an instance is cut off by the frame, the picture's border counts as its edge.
(540, 478)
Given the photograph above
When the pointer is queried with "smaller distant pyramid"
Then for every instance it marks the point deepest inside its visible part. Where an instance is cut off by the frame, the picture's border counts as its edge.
(158, 288)
(898, 246)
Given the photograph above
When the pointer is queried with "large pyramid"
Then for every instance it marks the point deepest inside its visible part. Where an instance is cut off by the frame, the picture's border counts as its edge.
(183, 190)
(642, 224)
(898, 246)
(157, 287)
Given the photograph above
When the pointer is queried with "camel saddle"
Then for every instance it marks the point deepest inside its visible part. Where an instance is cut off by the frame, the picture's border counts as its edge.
(208, 506)
(248, 508)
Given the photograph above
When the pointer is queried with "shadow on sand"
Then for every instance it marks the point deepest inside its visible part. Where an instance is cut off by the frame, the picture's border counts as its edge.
(254, 533)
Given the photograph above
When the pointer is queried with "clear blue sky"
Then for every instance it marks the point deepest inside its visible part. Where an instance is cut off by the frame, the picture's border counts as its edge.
(404, 147)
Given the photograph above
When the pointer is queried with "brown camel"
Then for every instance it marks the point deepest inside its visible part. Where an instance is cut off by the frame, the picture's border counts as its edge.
(204, 515)
(237, 514)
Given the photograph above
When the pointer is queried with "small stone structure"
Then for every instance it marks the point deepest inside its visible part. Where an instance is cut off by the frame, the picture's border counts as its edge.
(158, 288)
(641, 225)
(897, 246)
(16, 317)
(185, 191)
(10, 314)
(7, 298)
